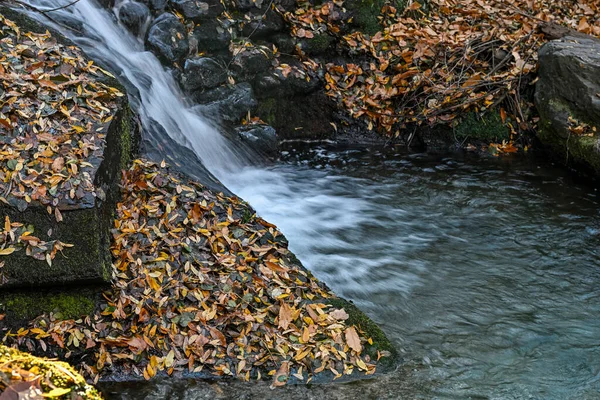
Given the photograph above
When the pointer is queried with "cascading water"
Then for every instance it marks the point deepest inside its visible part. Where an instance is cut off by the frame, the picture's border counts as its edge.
(483, 273)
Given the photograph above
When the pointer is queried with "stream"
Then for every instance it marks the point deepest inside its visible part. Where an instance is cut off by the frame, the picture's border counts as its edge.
(483, 271)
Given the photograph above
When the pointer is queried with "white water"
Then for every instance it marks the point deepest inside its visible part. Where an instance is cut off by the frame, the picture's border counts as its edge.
(303, 212)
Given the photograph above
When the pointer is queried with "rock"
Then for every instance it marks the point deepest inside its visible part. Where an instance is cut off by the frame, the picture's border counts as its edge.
(211, 36)
(84, 218)
(284, 42)
(263, 25)
(319, 44)
(202, 73)
(567, 97)
(261, 138)
(275, 84)
(167, 38)
(249, 63)
(228, 103)
(134, 16)
(299, 116)
(157, 6)
(197, 10)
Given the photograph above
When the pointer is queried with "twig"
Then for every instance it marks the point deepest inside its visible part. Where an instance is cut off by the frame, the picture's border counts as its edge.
(44, 11)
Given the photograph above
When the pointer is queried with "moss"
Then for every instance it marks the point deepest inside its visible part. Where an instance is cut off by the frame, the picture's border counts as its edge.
(319, 44)
(59, 380)
(371, 329)
(366, 13)
(487, 127)
(267, 110)
(29, 305)
(126, 138)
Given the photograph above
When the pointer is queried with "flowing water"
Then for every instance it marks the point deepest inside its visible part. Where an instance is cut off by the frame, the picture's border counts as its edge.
(484, 272)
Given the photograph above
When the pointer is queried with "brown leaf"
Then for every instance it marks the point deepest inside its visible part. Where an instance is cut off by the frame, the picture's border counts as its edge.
(58, 164)
(352, 339)
(285, 315)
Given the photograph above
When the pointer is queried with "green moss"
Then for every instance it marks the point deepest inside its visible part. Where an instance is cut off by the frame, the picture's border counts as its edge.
(365, 14)
(487, 127)
(33, 304)
(267, 109)
(319, 44)
(126, 138)
(56, 375)
(371, 329)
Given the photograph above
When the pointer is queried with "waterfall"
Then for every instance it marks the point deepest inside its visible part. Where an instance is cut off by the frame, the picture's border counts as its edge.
(301, 202)
(154, 93)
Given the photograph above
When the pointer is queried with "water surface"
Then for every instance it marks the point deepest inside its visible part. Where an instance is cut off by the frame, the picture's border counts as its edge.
(483, 271)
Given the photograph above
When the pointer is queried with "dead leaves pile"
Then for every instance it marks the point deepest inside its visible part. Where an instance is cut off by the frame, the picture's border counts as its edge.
(53, 113)
(202, 284)
(435, 59)
(23, 376)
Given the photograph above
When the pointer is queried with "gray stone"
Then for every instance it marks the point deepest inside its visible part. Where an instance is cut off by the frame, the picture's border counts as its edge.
(249, 63)
(157, 6)
(211, 36)
(227, 103)
(167, 38)
(198, 10)
(134, 16)
(569, 87)
(263, 25)
(261, 138)
(202, 73)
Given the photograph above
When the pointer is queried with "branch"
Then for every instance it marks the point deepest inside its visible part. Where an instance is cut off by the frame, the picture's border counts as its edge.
(47, 10)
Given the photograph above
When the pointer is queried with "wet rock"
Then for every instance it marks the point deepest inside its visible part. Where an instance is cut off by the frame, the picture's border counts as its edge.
(167, 38)
(263, 25)
(275, 84)
(198, 10)
(134, 16)
(567, 97)
(202, 73)
(226, 103)
(261, 138)
(211, 36)
(249, 63)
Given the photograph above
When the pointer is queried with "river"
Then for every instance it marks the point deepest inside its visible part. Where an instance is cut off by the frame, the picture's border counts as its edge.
(483, 271)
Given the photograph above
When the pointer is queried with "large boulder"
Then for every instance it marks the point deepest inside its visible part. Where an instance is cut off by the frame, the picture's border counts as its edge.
(202, 73)
(261, 138)
(167, 38)
(226, 103)
(134, 16)
(567, 98)
(210, 36)
(58, 177)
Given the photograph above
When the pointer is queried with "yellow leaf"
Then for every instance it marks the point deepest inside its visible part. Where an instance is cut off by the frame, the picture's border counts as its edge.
(57, 392)
(7, 251)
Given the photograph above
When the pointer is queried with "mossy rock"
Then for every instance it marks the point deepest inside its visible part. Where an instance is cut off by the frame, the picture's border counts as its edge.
(366, 13)
(86, 222)
(27, 305)
(380, 341)
(85, 225)
(487, 127)
(49, 378)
